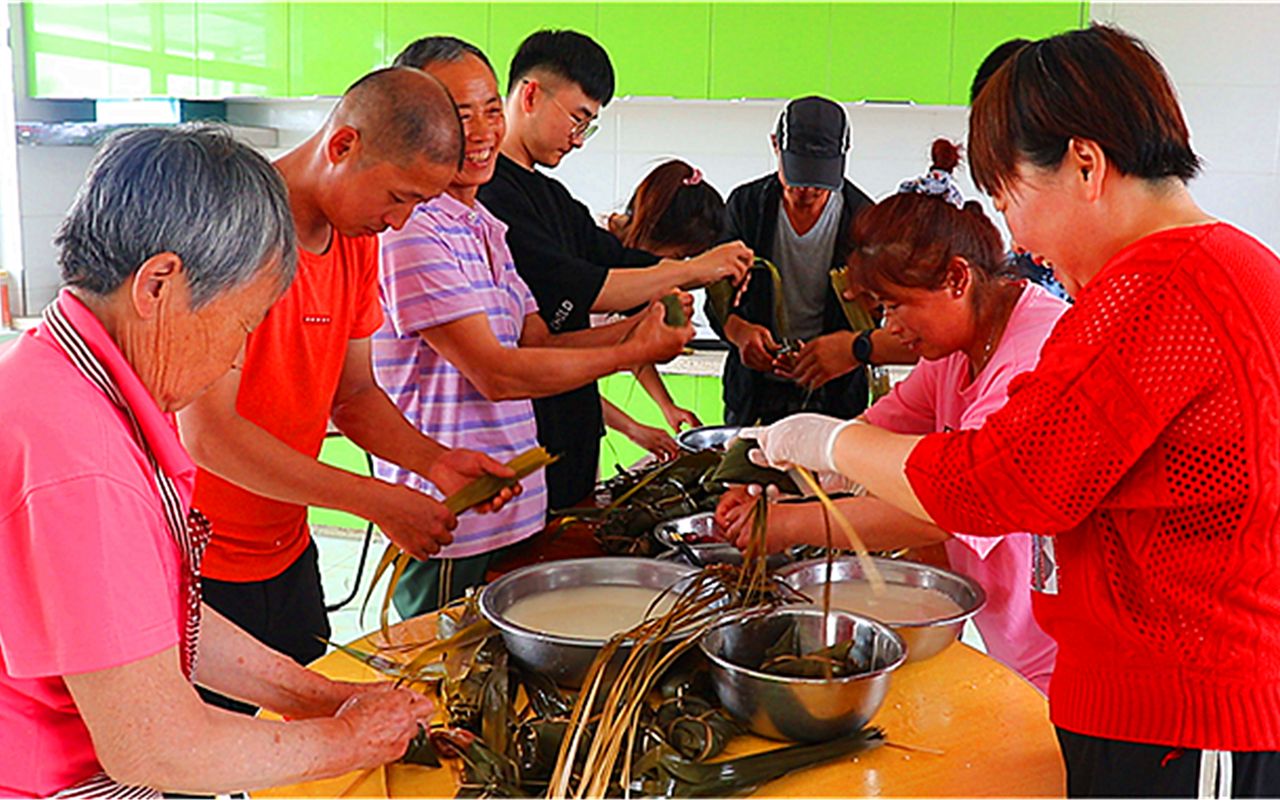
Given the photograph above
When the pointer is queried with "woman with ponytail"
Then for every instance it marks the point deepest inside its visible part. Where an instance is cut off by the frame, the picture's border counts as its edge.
(673, 213)
(938, 267)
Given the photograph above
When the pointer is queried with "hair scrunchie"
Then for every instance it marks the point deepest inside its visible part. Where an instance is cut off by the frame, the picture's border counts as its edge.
(935, 182)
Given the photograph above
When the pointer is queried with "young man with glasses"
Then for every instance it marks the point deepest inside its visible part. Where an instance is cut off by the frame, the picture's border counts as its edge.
(558, 82)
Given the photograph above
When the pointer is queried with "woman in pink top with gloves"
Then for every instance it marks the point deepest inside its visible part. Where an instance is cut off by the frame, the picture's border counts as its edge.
(938, 266)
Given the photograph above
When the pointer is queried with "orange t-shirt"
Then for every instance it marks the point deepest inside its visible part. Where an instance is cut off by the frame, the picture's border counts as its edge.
(292, 365)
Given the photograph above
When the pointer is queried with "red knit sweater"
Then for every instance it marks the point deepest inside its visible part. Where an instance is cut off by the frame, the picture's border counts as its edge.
(1147, 443)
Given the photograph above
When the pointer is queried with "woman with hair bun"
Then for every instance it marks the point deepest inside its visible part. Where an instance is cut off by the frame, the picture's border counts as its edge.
(938, 266)
(1143, 450)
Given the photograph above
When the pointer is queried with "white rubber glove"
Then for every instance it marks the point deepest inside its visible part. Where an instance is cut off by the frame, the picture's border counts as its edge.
(803, 440)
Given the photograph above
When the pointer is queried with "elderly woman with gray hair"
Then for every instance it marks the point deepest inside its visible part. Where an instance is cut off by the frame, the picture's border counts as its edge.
(176, 247)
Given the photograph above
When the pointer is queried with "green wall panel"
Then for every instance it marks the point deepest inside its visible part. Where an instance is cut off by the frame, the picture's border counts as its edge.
(332, 44)
(770, 50)
(699, 394)
(67, 49)
(979, 27)
(339, 451)
(510, 23)
(891, 51)
(243, 49)
(152, 49)
(658, 49)
(406, 22)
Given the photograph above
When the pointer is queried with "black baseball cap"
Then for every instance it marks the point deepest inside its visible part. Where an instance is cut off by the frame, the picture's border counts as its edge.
(813, 137)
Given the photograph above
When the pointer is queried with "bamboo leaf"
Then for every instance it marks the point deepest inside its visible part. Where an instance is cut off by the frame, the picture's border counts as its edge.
(388, 558)
(859, 318)
(486, 487)
(868, 566)
(402, 561)
(674, 311)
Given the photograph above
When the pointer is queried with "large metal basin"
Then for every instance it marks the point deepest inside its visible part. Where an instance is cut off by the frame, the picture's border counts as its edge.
(923, 639)
(565, 659)
(800, 709)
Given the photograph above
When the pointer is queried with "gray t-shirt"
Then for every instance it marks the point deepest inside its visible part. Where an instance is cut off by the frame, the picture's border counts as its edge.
(804, 263)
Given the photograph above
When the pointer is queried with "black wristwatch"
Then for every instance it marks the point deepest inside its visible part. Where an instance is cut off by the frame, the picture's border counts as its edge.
(862, 347)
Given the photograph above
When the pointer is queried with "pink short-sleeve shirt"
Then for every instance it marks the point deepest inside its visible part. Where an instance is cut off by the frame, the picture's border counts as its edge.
(89, 573)
(938, 396)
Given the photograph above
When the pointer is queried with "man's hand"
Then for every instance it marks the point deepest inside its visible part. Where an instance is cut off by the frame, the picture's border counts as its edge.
(456, 468)
(756, 347)
(731, 260)
(382, 723)
(822, 360)
(652, 340)
(418, 523)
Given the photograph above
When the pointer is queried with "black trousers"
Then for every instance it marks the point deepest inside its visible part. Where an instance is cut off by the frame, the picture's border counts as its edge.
(1110, 768)
(286, 613)
(572, 479)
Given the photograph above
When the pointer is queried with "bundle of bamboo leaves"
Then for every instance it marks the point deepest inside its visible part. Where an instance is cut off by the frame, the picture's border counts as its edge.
(476, 493)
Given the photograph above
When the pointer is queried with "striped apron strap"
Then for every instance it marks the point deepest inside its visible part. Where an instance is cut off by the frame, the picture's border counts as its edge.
(190, 531)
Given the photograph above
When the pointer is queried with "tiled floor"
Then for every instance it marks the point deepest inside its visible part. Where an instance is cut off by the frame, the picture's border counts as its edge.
(339, 555)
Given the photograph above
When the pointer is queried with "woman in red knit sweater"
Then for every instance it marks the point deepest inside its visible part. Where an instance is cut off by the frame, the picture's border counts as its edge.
(1144, 449)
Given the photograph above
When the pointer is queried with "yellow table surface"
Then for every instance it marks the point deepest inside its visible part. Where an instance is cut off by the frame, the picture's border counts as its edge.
(989, 727)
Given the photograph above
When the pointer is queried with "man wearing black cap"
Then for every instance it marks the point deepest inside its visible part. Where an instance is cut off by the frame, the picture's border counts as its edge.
(805, 241)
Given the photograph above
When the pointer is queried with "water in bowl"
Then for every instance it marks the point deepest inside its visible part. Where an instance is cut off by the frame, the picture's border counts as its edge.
(589, 612)
(898, 605)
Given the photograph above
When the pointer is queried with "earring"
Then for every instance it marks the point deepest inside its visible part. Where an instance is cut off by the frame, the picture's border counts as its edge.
(956, 292)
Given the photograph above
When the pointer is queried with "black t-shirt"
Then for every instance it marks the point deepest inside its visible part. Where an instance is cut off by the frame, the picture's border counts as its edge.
(564, 257)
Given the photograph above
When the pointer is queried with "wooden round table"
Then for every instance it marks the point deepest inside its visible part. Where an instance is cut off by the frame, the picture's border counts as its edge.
(975, 729)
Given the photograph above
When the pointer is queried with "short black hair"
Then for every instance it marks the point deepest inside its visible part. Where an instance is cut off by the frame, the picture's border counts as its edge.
(567, 54)
(994, 60)
(432, 49)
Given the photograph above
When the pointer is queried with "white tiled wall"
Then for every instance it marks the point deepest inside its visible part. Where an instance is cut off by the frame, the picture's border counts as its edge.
(1224, 62)
(1221, 56)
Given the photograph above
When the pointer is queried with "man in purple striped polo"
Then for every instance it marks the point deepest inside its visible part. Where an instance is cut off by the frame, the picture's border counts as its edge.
(463, 349)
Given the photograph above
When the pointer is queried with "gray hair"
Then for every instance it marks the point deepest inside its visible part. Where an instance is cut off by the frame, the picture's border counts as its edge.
(193, 191)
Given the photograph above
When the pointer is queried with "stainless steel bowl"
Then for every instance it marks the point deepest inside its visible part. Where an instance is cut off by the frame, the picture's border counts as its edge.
(693, 529)
(708, 437)
(924, 639)
(801, 709)
(562, 658)
(697, 533)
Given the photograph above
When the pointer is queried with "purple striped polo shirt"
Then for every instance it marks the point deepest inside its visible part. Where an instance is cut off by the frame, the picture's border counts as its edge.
(448, 262)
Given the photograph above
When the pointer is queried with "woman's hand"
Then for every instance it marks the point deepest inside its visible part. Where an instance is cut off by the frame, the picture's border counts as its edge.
(800, 440)
(677, 416)
(655, 440)
(735, 518)
(383, 721)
